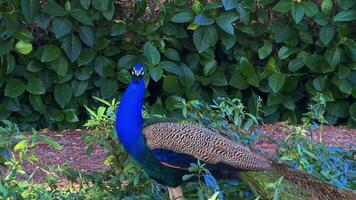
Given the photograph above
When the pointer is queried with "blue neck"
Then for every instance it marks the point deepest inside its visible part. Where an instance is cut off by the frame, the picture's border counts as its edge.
(129, 120)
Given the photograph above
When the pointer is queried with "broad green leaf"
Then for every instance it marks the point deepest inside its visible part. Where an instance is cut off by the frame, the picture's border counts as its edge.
(35, 86)
(10, 63)
(108, 88)
(86, 35)
(62, 94)
(170, 67)
(319, 83)
(72, 47)
(246, 68)
(326, 34)
(265, 50)
(342, 84)
(183, 17)
(225, 21)
(60, 66)
(283, 6)
(276, 81)
(126, 62)
(71, 117)
(109, 13)
(284, 52)
(50, 53)
(54, 9)
(85, 4)
(202, 19)
(80, 88)
(209, 68)
(172, 85)
(218, 79)
(228, 40)
(155, 73)
(310, 8)
(186, 77)
(345, 16)
(101, 5)
(238, 81)
(81, 16)
(205, 36)
(333, 56)
(281, 30)
(151, 53)
(297, 11)
(48, 141)
(172, 54)
(86, 56)
(230, 4)
(118, 29)
(101, 63)
(14, 88)
(30, 9)
(34, 66)
(340, 109)
(6, 46)
(37, 103)
(61, 27)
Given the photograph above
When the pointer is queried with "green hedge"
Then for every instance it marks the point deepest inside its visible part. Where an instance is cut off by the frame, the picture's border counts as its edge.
(56, 55)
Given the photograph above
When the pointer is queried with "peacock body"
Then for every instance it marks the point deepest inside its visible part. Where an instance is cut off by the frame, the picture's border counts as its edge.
(164, 148)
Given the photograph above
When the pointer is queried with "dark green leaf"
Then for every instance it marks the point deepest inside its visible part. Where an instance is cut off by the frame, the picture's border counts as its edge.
(295, 64)
(50, 53)
(209, 68)
(14, 88)
(81, 16)
(72, 47)
(37, 103)
(108, 88)
(203, 37)
(118, 29)
(202, 19)
(225, 21)
(345, 16)
(297, 11)
(10, 63)
(54, 9)
(62, 94)
(326, 34)
(85, 4)
(71, 117)
(86, 56)
(265, 50)
(61, 27)
(333, 56)
(310, 8)
(276, 81)
(155, 73)
(238, 81)
(151, 53)
(246, 68)
(230, 4)
(183, 17)
(170, 67)
(30, 9)
(35, 86)
(187, 76)
(172, 54)
(86, 35)
(101, 5)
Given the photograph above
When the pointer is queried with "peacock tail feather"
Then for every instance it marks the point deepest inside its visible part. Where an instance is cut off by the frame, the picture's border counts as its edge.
(256, 169)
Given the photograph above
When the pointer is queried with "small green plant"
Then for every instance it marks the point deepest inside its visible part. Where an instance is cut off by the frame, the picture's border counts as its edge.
(16, 148)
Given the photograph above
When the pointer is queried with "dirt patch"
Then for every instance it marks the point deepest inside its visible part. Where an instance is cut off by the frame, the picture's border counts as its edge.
(74, 149)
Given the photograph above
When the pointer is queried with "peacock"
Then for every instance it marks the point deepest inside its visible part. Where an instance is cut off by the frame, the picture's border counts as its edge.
(164, 148)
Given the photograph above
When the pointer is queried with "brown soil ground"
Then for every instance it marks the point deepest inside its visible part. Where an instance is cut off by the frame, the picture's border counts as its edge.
(74, 148)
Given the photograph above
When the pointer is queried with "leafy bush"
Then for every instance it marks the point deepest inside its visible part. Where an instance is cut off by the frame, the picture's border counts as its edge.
(55, 55)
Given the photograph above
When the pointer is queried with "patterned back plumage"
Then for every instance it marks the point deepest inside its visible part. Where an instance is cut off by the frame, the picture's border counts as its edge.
(204, 144)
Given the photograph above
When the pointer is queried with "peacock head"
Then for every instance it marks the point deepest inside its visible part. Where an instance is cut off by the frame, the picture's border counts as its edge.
(137, 71)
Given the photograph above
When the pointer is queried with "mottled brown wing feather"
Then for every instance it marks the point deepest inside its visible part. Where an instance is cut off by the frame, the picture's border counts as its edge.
(204, 144)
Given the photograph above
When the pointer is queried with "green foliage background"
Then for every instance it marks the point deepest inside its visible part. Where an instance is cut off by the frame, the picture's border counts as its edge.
(283, 51)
